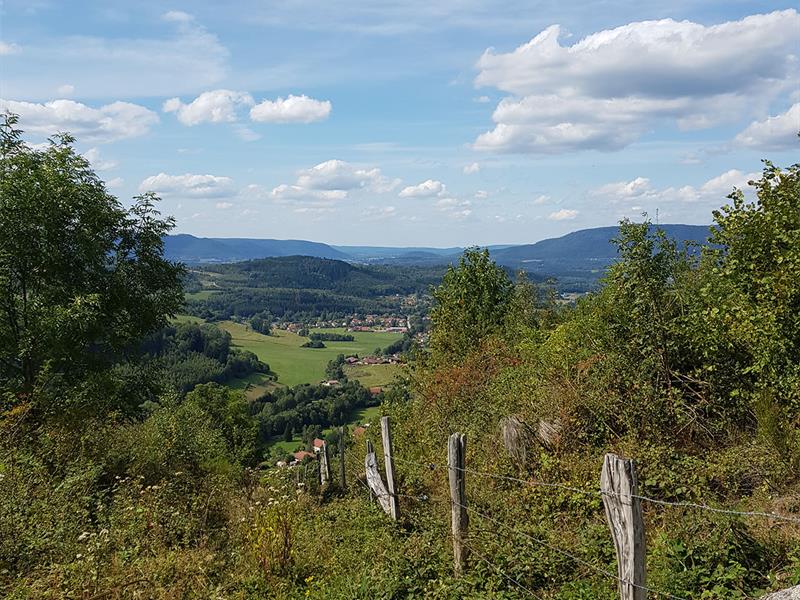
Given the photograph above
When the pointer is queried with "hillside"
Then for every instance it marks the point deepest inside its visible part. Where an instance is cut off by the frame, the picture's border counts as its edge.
(305, 286)
(588, 245)
(193, 250)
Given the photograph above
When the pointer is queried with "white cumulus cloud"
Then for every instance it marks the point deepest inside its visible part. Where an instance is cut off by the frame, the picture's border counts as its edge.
(115, 121)
(294, 109)
(611, 87)
(641, 192)
(774, 133)
(565, 214)
(472, 168)
(215, 106)
(333, 180)
(427, 189)
(188, 185)
(97, 161)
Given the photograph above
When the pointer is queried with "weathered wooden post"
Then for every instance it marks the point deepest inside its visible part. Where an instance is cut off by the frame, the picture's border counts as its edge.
(342, 480)
(386, 436)
(456, 463)
(375, 483)
(370, 450)
(324, 464)
(619, 485)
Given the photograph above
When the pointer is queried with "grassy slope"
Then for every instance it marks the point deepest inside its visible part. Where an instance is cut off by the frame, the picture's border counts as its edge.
(373, 375)
(295, 365)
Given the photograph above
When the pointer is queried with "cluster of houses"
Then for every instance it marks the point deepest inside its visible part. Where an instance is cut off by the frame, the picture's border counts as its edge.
(316, 446)
(355, 323)
(391, 359)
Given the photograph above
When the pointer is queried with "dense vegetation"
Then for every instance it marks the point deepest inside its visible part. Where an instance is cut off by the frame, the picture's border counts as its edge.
(189, 354)
(114, 485)
(292, 409)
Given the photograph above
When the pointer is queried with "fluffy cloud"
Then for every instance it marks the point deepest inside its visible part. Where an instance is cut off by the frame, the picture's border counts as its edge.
(565, 214)
(471, 169)
(614, 85)
(294, 109)
(216, 106)
(641, 192)
(333, 180)
(115, 121)
(98, 163)
(427, 189)
(774, 133)
(188, 185)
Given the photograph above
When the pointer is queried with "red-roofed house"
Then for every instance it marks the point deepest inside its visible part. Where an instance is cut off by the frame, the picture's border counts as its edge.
(302, 454)
(375, 390)
(359, 431)
(318, 444)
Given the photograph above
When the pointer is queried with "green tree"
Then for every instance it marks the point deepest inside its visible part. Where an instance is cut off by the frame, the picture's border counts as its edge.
(81, 277)
(470, 304)
(752, 295)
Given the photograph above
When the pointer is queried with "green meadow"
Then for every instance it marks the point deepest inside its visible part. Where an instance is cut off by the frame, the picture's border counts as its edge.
(295, 365)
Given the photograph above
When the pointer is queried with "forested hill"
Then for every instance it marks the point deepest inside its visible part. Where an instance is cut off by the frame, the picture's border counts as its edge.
(190, 249)
(299, 287)
(589, 245)
(308, 272)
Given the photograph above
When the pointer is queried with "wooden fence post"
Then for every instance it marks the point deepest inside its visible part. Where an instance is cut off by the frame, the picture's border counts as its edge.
(375, 483)
(324, 464)
(370, 450)
(456, 463)
(618, 483)
(386, 436)
(342, 480)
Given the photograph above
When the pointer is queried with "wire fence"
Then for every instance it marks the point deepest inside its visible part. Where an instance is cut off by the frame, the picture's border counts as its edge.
(511, 533)
(598, 492)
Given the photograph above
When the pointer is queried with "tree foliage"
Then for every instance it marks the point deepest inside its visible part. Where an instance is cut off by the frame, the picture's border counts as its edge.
(470, 304)
(81, 277)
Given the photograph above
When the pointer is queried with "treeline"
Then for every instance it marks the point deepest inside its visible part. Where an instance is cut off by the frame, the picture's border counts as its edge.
(188, 354)
(331, 337)
(286, 304)
(286, 410)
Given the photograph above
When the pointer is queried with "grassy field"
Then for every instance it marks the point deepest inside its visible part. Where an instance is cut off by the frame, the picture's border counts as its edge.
(373, 375)
(295, 365)
(254, 385)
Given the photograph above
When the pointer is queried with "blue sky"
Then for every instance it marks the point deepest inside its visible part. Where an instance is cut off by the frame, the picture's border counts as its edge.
(414, 123)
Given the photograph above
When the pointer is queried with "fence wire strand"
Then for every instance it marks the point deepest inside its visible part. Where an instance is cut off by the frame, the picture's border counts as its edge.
(678, 504)
(569, 555)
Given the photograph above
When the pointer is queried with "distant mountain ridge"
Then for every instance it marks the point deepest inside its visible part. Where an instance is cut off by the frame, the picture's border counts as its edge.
(190, 249)
(590, 244)
(576, 259)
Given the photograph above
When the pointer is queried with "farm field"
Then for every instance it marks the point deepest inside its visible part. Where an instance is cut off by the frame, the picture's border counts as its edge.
(254, 385)
(373, 375)
(295, 365)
